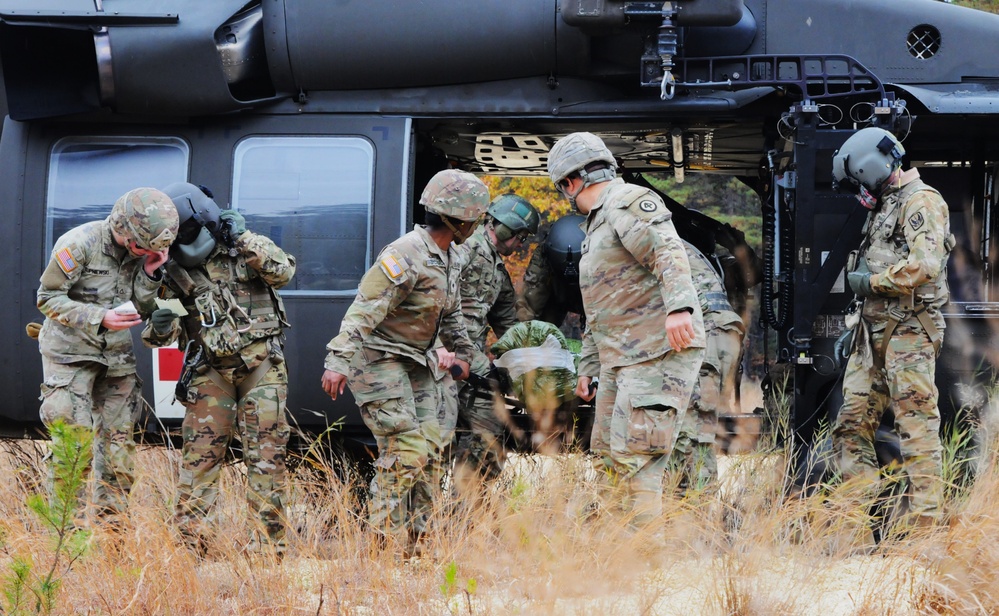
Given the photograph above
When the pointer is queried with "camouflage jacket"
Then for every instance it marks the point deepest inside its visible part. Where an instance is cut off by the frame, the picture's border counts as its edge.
(405, 303)
(530, 304)
(241, 291)
(487, 294)
(633, 272)
(907, 243)
(546, 296)
(715, 307)
(87, 275)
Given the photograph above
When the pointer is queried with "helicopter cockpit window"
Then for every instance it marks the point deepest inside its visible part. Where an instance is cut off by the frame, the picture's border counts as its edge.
(87, 174)
(313, 197)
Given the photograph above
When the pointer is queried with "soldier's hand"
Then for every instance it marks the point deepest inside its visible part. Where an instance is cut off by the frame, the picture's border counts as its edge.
(445, 358)
(463, 366)
(235, 221)
(680, 329)
(154, 261)
(162, 320)
(333, 383)
(842, 348)
(583, 389)
(115, 321)
(860, 282)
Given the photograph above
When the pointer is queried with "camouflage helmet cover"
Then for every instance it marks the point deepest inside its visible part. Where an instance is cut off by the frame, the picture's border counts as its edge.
(867, 158)
(456, 194)
(146, 216)
(574, 152)
(515, 213)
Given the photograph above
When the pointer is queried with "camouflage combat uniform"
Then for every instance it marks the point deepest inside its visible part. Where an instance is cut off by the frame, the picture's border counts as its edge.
(633, 273)
(386, 348)
(907, 242)
(725, 331)
(240, 385)
(544, 298)
(90, 377)
(487, 299)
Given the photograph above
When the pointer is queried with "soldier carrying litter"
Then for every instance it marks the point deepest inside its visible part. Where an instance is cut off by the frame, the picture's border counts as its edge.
(487, 300)
(388, 349)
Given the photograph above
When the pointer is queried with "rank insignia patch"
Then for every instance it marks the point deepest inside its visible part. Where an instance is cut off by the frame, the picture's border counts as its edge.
(66, 261)
(916, 221)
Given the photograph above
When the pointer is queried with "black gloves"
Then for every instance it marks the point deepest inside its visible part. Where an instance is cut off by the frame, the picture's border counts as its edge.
(860, 280)
(842, 348)
(235, 221)
(162, 320)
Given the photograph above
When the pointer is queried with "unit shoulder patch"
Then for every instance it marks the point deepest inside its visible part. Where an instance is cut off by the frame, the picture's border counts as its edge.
(649, 207)
(916, 221)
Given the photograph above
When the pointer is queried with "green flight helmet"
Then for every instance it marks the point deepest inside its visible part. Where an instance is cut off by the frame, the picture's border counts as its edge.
(514, 215)
(200, 223)
(456, 194)
(867, 159)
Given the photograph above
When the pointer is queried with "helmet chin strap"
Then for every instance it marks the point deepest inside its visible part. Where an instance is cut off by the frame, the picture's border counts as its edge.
(459, 237)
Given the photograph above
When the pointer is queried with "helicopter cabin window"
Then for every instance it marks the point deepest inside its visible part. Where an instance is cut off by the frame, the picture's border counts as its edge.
(88, 174)
(313, 197)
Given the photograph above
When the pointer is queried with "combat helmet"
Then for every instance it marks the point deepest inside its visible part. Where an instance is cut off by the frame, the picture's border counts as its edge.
(563, 246)
(146, 216)
(867, 159)
(514, 215)
(575, 152)
(200, 223)
(456, 194)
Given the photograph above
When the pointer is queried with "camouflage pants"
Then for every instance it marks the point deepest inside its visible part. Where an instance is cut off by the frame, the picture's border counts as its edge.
(81, 394)
(639, 411)
(907, 386)
(213, 418)
(695, 456)
(480, 443)
(401, 403)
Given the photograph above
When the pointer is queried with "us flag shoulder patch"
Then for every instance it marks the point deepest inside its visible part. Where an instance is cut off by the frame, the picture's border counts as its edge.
(392, 267)
(66, 261)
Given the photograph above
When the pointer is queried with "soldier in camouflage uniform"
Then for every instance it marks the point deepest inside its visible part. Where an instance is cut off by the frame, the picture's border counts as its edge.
(86, 347)
(551, 280)
(645, 334)
(901, 275)
(406, 305)
(235, 380)
(725, 331)
(487, 300)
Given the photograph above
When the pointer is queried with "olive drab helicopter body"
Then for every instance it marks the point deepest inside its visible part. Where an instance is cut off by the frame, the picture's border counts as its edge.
(321, 121)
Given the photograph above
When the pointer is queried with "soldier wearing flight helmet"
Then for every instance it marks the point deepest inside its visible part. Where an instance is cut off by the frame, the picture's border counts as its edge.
(235, 380)
(899, 276)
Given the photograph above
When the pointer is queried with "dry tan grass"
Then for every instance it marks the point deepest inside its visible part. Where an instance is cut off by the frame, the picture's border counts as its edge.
(538, 545)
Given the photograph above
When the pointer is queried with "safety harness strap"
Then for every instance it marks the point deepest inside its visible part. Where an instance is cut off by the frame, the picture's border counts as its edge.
(903, 311)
